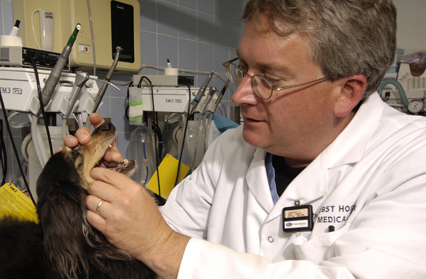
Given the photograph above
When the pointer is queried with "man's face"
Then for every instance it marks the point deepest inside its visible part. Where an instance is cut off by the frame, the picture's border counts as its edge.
(292, 122)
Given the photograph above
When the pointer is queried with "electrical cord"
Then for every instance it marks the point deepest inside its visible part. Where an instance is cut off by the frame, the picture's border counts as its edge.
(3, 154)
(129, 83)
(43, 113)
(157, 131)
(89, 9)
(32, 25)
(128, 100)
(183, 71)
(14, 149)
(184, 136)
(155, 124)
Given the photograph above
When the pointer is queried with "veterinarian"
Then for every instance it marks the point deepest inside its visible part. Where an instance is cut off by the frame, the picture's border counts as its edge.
(323, 179)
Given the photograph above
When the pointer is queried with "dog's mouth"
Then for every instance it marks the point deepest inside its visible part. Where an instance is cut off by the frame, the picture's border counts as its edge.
(123, 167)
(89, 156)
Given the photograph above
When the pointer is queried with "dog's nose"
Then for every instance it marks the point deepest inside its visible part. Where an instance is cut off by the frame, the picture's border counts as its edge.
(107, 126)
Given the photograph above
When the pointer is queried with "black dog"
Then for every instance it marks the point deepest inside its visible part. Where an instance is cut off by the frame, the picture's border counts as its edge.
(63, 245)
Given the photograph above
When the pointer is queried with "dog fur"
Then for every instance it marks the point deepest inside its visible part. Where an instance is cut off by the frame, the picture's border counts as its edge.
(63, 244)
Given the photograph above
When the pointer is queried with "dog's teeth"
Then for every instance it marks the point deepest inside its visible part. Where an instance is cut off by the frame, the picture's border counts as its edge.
(125, 161)
(110, 146)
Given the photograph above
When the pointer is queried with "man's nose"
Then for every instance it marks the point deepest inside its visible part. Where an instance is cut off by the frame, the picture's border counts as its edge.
(244, 94)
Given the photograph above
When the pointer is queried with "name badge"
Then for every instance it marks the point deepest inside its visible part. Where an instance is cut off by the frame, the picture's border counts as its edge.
(298, 218)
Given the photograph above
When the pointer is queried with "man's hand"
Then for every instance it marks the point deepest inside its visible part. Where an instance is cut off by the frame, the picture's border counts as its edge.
(131, 221)
(83, 136)
(128, 216)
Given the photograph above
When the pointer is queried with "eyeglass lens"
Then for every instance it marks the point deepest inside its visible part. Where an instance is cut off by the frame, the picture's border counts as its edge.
(257, 81)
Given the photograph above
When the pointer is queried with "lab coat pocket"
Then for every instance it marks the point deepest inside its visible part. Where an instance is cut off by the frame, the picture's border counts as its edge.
(317, 248)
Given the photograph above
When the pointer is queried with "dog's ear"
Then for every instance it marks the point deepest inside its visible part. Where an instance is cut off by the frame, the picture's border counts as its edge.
(59, 169)
(61, 209)
(61, 221)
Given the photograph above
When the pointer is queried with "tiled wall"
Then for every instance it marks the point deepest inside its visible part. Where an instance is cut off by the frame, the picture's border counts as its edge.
(6, 19)
(196, 35)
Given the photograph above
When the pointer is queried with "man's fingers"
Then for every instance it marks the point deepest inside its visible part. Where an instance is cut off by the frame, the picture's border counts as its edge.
(114, 187)
(83, 135)
(113, 154)
(104, 190)
(70, 141)
(114, 179)
(96, 119)
(96, 220)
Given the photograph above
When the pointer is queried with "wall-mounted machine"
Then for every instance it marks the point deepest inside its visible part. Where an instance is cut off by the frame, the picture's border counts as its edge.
(104, 26)
(19, 91)
(18, 88)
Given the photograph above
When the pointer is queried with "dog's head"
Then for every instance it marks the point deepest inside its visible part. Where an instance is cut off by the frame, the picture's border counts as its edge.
(69, 241)
(88, 156)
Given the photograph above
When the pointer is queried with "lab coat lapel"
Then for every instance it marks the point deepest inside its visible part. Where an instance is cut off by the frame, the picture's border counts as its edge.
(257, 180)
(347, 148)
(350, 145)
(303, 188)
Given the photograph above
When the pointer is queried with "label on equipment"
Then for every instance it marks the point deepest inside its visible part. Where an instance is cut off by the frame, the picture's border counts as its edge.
(16, 204)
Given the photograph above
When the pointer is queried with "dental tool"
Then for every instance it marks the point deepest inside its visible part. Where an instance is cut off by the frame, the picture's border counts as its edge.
(104, 86)
(55, 74)
(222, 92)
(212, 91)
(200, 93)
(80, 81)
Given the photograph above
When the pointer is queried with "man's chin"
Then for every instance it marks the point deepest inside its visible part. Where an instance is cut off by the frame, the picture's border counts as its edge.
(254, 137)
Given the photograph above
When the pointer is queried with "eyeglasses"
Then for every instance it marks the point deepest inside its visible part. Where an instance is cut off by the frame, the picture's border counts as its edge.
(262, 86)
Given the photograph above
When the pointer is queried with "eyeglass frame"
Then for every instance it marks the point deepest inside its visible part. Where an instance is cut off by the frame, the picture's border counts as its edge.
(229, 75)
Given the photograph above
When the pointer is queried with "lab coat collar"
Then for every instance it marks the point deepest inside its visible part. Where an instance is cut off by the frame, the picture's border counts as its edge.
(350, 145)
(347, 148)
(256, 177)
(303, 188)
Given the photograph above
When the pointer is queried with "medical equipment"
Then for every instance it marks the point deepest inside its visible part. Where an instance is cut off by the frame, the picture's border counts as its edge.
(19, 91)
(46, 29)
(200, 93)
(104, 86)
(141, 145)
(59, 66)
(15, 28)
(408, 91)
(185, 118)
(105, 25)
(62, 95)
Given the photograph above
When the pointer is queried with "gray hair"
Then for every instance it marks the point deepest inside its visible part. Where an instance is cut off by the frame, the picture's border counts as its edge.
(348, 37)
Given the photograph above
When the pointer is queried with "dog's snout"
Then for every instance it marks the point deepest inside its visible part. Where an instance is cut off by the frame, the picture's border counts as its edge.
(108, 126)
(105, 128)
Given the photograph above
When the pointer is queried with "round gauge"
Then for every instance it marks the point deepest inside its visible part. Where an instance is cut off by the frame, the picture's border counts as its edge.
(415, 106)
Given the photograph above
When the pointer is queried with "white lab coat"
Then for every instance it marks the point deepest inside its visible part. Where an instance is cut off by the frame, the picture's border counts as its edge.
(370, 184)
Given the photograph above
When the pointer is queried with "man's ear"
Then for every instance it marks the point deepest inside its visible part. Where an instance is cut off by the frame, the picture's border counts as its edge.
(352, 89)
